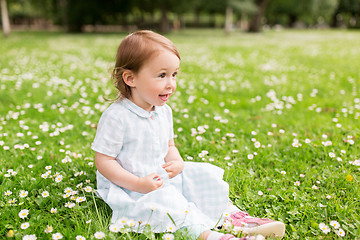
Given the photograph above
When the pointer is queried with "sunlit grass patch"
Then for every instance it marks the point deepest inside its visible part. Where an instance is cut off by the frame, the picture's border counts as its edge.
(279, 111)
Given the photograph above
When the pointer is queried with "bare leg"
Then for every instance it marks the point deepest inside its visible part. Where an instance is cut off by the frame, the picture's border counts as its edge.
(204, 235)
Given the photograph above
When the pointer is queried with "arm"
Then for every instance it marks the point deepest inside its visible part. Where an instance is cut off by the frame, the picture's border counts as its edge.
(112, 170)
(174, 164)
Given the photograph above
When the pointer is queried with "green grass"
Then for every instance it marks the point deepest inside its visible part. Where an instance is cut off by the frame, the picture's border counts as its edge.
(280, 86)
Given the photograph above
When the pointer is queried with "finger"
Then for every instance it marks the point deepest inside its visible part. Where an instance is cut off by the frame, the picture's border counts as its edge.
(154, 175)
(170, 171)
(170, 167)
(166, 164)
(157, 178)
(159, 183)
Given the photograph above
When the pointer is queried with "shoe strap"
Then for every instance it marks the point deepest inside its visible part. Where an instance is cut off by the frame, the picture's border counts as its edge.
(227, 237)
(239, 215)
(240, 219)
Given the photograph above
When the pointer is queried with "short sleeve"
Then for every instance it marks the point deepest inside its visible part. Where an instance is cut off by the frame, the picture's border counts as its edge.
(109, 135)
(169, 117)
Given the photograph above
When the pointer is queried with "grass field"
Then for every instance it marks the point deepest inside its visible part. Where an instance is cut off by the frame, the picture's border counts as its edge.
(279, 111)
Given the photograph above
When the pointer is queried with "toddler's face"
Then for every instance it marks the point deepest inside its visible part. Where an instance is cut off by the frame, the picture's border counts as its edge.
(156, 80)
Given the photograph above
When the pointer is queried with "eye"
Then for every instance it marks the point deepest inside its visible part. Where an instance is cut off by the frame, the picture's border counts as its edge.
(174, 74)
(162, 75)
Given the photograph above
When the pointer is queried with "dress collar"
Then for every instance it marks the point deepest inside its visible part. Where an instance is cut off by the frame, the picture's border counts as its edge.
(138, 110)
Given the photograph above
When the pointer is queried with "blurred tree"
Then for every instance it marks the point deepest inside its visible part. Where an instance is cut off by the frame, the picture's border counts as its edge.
(30, 12)
(244, 8)
(164, 7)
(77, 13)
(174, 6)
(215, 7)
(198, 6)
(347, 7)
(181, 9)
(290, 12)
(322, 11)
(74, 14)
(255, 23)
(228, 20)
(5, 18)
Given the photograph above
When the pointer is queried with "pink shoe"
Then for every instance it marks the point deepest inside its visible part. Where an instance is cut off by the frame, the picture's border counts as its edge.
(232, 237)
(228, 237)
(252, 225)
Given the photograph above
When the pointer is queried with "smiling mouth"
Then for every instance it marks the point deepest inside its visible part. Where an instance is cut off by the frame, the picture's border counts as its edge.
(164, 97)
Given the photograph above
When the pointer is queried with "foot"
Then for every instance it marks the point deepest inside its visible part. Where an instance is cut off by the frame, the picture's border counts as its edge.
(252, 225)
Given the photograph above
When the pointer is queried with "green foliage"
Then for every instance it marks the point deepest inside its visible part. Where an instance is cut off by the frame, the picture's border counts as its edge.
(243, 6)
(309, 11)
(271, 109)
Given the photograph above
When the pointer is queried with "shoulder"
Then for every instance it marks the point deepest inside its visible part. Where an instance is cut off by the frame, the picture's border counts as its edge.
(166, 111)
(116, 111)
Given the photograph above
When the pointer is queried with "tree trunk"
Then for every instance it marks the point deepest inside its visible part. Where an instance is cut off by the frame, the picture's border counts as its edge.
(182, 21)
(5, 18)
(176, 23)
(64, 14)
(228, 20)
(352, 20)
(212, 20)
(164, 25)
(255, 23)
(72, 15)
(334, 20)
(244, 23)
(197, 18)
(292, 20)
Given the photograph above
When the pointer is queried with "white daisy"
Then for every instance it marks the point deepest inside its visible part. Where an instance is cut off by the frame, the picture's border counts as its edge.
(25, 225)
(335, 224)
(340, 232)
(48, 229)
(99, 235)
(45, 194)
(23, 193)
(324, 228)
(23, 213)
(114, 228)
(168, 236)
(57, 236)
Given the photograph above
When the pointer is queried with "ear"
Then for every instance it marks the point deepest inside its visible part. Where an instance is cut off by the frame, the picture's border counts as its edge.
(129, 78)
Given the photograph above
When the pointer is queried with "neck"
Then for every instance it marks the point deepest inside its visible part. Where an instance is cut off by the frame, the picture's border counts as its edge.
(145, 106)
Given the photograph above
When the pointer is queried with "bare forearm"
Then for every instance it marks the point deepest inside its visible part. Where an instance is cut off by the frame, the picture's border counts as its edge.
(173, 155)
(174, 163)
(112, 170)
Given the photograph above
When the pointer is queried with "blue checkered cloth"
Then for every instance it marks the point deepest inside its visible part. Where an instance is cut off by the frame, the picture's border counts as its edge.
(139, 142)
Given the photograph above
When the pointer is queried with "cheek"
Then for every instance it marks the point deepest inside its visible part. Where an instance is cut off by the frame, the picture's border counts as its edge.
(155, 88)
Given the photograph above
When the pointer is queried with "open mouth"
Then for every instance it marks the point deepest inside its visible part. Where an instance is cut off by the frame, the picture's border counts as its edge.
(164, 97)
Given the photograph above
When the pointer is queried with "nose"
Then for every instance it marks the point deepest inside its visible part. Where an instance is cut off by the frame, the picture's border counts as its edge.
(171, 83)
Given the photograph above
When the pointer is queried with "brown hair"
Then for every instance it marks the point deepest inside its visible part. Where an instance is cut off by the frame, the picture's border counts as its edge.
(133, 52)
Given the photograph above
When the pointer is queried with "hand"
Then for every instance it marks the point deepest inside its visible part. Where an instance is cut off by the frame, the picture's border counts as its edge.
(149, 183)
(173, 168)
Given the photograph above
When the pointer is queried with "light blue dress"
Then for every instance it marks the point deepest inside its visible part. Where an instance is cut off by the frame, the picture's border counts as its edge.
(139, 142)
